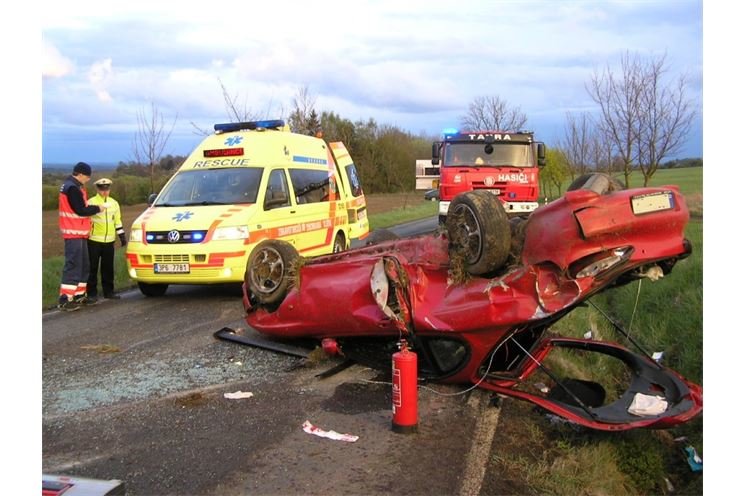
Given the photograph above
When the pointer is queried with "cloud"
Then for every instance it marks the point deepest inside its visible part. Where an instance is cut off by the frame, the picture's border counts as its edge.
(53, 63)
(100, 76)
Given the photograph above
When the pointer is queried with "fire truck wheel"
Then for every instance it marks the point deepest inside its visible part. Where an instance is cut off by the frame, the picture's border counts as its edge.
(268, 275)
(479, 232)
(152, 289)
(379, 236)
(599, 182)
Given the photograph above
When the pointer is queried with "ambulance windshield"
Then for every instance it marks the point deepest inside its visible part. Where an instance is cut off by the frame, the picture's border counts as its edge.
(212, 187)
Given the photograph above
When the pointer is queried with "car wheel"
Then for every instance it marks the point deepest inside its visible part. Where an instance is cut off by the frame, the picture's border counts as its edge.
(479, 231)
(599, 182)
(268, 271)
(339, 243)
(152, 289)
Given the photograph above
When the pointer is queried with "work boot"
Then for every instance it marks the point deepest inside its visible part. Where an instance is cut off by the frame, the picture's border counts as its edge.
(84, 300)
(112, 296)
(67, 305)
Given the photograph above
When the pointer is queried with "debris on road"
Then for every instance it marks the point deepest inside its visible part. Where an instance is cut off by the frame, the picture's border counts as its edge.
(238, 395)
(101, 348)
(311, 429)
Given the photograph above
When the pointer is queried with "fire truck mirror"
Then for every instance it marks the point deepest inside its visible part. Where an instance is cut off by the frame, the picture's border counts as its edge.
(488, 149)
(435, 153)
(541, 154)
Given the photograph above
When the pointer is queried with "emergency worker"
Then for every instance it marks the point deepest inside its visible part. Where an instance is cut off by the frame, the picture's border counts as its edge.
(75, 225)
(106, 226)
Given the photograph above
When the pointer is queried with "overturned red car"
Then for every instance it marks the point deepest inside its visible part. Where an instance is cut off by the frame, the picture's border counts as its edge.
(475, 302)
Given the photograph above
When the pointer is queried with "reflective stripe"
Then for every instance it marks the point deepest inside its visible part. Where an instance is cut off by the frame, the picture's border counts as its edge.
(74, 232)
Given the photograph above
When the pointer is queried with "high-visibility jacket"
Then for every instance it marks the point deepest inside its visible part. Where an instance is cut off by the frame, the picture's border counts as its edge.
(71, 223)
(106, 225)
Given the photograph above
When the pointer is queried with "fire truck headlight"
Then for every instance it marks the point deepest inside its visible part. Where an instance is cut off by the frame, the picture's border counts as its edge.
(135, 235)
(231, 233)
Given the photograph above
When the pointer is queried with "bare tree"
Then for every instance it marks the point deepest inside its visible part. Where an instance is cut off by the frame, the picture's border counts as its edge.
(304, 118)
(493, 113)
(237, 110)
(578, 142)
(150, 139)
(665, 118)
(619, 98)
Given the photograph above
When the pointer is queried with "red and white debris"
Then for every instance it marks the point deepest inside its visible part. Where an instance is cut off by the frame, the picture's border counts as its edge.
(311, 429)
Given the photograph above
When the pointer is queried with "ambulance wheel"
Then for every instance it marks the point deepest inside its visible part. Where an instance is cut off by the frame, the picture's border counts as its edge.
(339, 243)
(152, 289)
(599, 182)
(269, 268)
(379, 236)
(479, 232)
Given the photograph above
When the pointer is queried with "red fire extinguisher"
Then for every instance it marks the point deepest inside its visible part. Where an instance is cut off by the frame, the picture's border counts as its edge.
(404, 391)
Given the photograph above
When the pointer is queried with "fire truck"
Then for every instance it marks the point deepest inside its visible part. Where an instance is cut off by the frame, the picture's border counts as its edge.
(503, 163)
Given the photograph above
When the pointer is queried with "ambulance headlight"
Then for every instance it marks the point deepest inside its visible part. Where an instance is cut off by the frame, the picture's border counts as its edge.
(136, 235)
(231, 232)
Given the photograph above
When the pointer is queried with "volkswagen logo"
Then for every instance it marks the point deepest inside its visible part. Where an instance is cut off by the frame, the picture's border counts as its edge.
(173, 236)
(489, 181)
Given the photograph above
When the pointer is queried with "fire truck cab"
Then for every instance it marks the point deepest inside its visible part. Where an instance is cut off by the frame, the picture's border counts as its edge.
(504, 163)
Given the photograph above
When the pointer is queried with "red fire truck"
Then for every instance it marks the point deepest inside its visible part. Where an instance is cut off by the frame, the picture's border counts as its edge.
(504, 163)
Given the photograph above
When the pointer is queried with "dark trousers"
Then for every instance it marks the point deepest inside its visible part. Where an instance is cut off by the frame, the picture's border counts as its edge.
(75, 271)
(103, 252)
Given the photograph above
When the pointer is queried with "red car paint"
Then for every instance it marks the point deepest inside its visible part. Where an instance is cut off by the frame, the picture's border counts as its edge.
(488, 321)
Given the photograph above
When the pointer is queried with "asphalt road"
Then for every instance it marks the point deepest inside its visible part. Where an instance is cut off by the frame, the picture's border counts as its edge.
(133, 389)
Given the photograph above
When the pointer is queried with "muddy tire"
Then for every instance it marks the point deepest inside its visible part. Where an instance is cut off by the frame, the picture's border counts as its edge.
(268, 271)
(340, 243)
(380, 236)
(599, 182)
(479, 231)
(152, 290)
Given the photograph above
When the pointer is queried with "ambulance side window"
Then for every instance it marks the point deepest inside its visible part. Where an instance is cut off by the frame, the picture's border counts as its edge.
(277, 194)
(312, 186)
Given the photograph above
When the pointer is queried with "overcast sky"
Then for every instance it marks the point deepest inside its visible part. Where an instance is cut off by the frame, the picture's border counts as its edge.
(412, 64)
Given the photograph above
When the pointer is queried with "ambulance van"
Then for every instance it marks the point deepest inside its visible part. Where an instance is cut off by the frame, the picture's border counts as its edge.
(248, 182)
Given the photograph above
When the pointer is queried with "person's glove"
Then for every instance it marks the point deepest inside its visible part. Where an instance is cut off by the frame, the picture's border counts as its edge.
(123, 239)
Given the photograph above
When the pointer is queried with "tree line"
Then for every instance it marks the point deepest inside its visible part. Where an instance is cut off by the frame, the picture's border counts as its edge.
(641, 118)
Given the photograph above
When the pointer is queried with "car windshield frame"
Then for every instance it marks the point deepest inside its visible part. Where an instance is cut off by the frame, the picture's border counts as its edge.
(218, 186)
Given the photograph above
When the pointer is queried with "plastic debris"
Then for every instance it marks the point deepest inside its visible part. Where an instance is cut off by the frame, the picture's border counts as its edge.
(647, 405)
(588, 335)
(311, 429)
(694, 461)
(541, 387)
(238, 395)
(657, 356)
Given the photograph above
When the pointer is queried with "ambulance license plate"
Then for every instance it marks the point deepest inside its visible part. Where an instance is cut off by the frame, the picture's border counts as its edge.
(171, 268)
(652, 202)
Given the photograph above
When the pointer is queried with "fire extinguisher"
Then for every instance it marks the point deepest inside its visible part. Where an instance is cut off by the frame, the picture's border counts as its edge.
(404, 398)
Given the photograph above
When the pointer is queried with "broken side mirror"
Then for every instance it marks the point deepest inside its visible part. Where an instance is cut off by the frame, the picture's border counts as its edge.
(541, 154)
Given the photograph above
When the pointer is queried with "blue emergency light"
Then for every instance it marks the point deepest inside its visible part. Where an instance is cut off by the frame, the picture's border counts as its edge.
(150, 237)
(251, 125)
(197, 236)
(449, 130)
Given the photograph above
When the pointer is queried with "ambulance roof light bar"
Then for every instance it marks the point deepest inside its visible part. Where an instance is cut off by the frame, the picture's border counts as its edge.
(251, 125)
